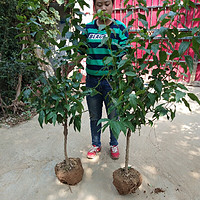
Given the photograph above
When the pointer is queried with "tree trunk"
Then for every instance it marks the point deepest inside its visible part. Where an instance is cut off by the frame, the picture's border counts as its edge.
(19, 86)
(47, 66)
(2, 107)
(127, 150)
(63, 73)
(65, 143)
(195, 65)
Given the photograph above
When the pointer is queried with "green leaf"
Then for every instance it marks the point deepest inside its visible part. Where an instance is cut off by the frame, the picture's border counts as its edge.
(182, 86)
(41, 117)
(58, 73)
(79, 77)
(159, 11)
(195, 44)
(108, 60)
(125, 2)
(144, 22)
(105, 126)
(77, 123)
(55, 97)
(175, 54)
(194, 30)
(121, 63)
(186, 104)
(172, 14)
(54, 119)
(194, 97)
(67, 48)
(128, 14)
(160, 31)
(155, 33)
(133, 100)
(62, 43)
(83, 3)
(196, 19)
(164, 21)
(155, 61)
(67, 107)
(50, 115)
(20, 18)
(144, 49)
(158, 86)
(26, 93)
(179, 95)
(34, 21)
(171, 36)
(163, 57)
(142, 16)
(172, 114)
(144, 8)
(122, 126)
(174, 75)
(162, 111)
(81, 29)
(183, 47)
(115, 127)
(46, 1)
(103, 120)
(152, 98)
(139, 92)
(128, 124)
(163, 16)
(184, 66)
(189, 61)
(68, 35)
(130, 73)
(60, 2)
(103, 41)
(192, 4)
(155, 48)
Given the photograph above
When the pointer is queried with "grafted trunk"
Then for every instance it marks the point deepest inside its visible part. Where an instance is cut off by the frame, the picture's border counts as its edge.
(65, 144)
(127, 149)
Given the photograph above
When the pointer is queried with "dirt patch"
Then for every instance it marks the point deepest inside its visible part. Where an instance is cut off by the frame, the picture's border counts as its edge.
(158, 190)
(126, 183)
(69, 174)
(10, 120)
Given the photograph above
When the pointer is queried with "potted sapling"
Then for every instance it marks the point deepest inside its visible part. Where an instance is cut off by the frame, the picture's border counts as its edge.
(57, 97)
(139, 103)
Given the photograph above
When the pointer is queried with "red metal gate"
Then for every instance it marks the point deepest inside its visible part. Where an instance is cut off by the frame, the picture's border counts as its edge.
(153, 6)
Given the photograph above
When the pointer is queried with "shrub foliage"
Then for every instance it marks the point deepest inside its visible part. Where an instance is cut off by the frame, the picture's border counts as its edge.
(11, 65)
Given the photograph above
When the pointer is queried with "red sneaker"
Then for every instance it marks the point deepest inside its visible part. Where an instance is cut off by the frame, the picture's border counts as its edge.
(93, 151)
(114, 152)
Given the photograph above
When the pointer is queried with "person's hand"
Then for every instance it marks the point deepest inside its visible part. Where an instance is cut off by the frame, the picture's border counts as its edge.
(124, 57)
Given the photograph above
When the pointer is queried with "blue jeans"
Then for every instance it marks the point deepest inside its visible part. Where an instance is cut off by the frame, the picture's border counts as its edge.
(95, 105)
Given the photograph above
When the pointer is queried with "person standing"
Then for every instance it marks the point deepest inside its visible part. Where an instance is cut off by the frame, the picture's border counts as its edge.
(97, 73)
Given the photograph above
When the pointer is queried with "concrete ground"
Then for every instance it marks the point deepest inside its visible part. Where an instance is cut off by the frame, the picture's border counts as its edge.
(167, 156)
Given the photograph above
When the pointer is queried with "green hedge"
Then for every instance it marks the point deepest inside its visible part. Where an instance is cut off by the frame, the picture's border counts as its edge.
(10, 64)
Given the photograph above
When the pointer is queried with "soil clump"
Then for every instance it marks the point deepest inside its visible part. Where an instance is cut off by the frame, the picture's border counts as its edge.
(69, 174)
